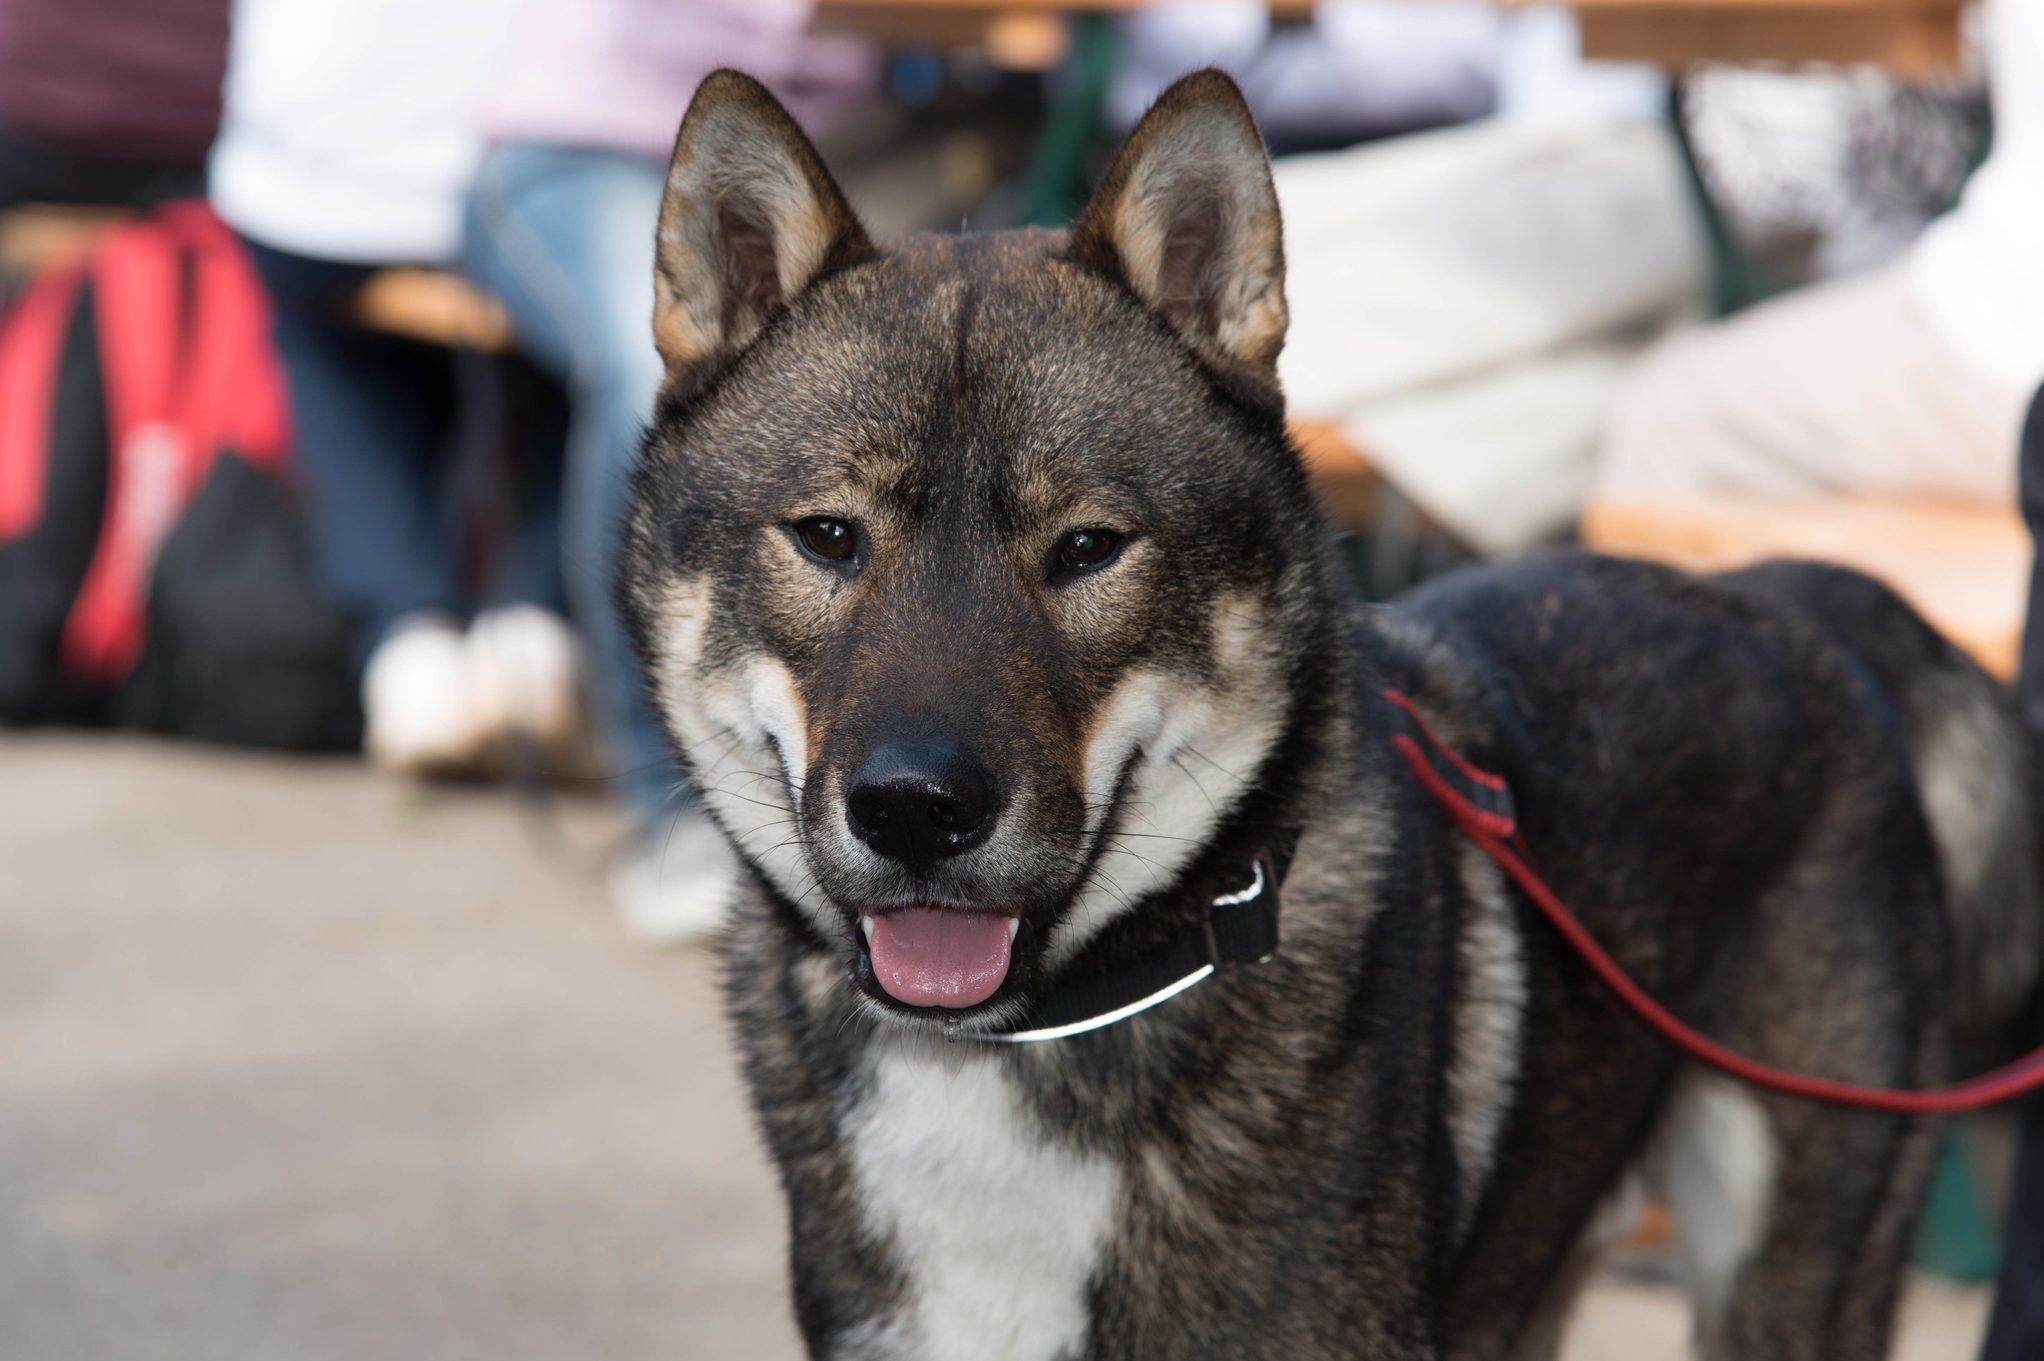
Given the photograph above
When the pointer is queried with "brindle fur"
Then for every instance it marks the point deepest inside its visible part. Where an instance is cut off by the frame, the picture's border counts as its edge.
(1394, 1139)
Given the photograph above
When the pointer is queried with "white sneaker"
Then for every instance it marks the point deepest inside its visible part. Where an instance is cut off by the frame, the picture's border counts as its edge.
(525, 681)
(415, 700)
(678, 887)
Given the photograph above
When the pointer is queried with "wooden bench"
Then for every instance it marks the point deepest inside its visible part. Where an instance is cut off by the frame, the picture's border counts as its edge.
(42, 236)
(1016, 35)
(436, 307)
(1911, 38)
(1349, 486)
(1965, 565)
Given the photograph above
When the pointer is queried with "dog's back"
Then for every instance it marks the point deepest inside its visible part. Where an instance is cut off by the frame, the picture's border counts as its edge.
(1976, 774)
(1805, 820)
(1796, 675)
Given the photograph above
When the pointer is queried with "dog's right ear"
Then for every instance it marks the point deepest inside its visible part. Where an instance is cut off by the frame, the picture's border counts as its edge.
(751, 217)
(1188, 219)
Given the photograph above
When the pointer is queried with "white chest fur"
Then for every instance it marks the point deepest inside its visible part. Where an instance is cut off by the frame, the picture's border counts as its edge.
(996, 1228)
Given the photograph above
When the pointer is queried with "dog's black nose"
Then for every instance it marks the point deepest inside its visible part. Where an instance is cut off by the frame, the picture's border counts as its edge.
(919, 801)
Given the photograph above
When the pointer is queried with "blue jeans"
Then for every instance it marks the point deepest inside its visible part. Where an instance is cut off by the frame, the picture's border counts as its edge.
(564, 236)
(372, 414)
(384, 432)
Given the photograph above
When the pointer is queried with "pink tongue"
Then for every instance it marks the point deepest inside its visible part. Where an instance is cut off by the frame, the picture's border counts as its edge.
(928, 957)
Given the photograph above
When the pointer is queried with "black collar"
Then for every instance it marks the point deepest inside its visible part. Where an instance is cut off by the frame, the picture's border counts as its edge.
(1239, 926)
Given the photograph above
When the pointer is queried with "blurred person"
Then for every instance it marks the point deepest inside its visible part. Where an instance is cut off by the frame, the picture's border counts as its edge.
(108, 102)
(2015, 1331)
(559, 226)
(1464, 301)
(1355, 69)
(349, 138)
(1908, 378)
(1816, 173)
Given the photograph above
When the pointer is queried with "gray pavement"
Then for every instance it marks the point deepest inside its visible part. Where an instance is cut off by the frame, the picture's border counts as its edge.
(296, 1064)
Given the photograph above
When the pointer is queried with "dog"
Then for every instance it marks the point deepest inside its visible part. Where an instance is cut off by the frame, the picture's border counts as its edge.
(1108, 986)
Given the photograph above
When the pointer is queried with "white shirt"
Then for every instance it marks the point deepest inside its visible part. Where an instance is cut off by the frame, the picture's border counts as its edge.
(350, 129)
(1979, 271)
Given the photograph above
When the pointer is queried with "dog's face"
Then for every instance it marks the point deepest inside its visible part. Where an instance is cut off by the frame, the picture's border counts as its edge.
(962, 566)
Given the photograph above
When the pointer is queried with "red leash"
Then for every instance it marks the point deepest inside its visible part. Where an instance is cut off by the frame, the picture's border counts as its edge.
(1480, 803)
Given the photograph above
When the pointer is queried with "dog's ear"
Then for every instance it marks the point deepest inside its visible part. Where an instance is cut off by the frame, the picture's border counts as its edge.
(750, 218)
(1188, 219)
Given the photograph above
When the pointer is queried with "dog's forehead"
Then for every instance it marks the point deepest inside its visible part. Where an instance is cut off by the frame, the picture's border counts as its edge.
(983, 358)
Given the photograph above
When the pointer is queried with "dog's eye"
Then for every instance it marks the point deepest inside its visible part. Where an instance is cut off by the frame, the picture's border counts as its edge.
(1085, 550)
(826, 539)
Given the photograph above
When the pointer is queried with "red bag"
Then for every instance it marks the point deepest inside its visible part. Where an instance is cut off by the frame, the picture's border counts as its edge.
(152, 563)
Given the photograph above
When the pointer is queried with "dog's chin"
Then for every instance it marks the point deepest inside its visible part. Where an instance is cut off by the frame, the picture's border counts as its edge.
(944, 966)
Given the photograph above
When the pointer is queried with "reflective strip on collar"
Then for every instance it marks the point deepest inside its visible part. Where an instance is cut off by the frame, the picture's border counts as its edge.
(1244, 895)
(1059, 1032)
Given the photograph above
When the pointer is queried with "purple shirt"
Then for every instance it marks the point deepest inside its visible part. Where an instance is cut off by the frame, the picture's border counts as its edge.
(617, 74)
(133, 78)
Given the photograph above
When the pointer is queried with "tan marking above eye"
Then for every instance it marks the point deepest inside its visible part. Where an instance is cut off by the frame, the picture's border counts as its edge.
(1239, 622)
(683, 613)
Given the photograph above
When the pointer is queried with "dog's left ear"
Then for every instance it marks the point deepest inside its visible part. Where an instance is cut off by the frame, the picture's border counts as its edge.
(750, 218)
(1188, 219)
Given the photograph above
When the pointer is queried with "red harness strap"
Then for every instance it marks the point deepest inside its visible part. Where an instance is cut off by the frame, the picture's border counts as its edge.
(1480, 803)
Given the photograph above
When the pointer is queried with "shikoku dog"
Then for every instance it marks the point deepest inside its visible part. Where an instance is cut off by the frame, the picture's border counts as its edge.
(987, 601)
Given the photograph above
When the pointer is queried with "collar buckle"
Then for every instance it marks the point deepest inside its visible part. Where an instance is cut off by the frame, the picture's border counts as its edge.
(1229, 903)
(1242, 927)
